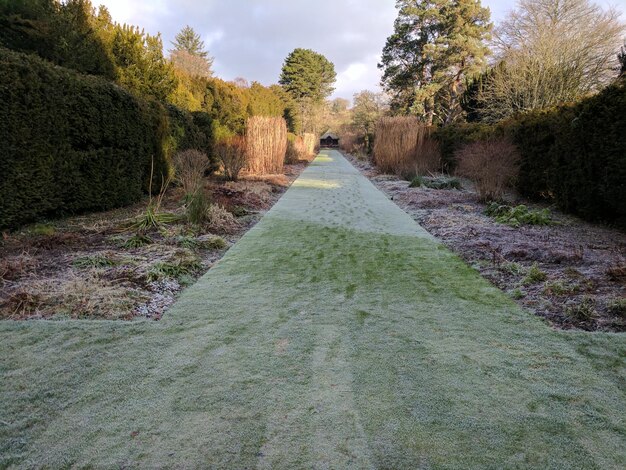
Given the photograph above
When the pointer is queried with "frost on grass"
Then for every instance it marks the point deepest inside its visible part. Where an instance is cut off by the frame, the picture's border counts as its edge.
(100, 266)
(553, 264)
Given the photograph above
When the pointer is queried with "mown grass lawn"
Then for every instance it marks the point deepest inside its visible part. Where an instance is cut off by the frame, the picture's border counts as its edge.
(336, 334)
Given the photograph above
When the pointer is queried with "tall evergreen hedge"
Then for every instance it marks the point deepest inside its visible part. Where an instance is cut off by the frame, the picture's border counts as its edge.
(72, 143)
(574, 155)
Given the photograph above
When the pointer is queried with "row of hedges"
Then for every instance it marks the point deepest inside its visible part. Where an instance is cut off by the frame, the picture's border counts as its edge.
(574, 155)
(72, 143)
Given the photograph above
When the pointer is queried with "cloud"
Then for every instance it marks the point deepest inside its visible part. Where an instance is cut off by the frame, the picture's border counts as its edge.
(251, 38)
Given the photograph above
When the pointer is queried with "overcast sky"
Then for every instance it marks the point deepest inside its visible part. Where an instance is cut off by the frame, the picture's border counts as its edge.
(251, 38)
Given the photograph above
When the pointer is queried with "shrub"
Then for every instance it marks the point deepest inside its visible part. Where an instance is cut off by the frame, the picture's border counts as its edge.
(428, 156)
(454, 137)
(231, 152)
(573, 155)
(69, 142)
(576, 155)
(352, 143)
(518, 215)
(266, 145)
(491, 165)
(190, 166)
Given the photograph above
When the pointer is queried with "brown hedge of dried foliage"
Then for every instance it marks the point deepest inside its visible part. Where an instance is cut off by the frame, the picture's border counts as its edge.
(266, 145)
(403, 146)
(492, 165)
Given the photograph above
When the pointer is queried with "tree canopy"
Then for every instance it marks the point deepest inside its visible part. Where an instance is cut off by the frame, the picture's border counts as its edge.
(435, 44)
(308, 75)
(189, 53)
(550, 52)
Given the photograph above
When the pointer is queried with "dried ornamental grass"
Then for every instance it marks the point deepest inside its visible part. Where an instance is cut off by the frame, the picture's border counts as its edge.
(310, 142)
(403, 146)
(266, 144)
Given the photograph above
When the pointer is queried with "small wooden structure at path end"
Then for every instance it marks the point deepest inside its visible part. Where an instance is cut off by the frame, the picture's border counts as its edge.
(329, 140)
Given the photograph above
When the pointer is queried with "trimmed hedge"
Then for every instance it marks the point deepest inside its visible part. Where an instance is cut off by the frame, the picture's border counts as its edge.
(574, 155)
(72, 143)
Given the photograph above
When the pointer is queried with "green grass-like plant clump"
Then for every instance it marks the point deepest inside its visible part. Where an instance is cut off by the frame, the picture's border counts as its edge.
(153, 219)
(197, 208)
(534, 275)
(617, 308)
(560, 287)
(518, 215)
(584, 310)
(42, 229)
(435, 182)
(94, 261)
(517, 294)
(137, 241)
(192, 243)
(179, 269)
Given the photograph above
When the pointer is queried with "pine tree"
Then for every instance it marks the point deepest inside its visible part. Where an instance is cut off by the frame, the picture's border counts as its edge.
(309, 78)
(189, 41)
(435, 45)
(189, 54)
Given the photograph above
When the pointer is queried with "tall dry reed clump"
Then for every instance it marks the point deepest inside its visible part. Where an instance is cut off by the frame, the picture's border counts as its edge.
(295, 149)
(266, 145)
(310, 142)
(404, 146)
(350, 143)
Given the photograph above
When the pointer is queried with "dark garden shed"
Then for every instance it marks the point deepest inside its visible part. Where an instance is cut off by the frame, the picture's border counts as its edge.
(329, 140)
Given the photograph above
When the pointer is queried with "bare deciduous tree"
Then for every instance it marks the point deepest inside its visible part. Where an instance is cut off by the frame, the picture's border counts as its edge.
(550, 52)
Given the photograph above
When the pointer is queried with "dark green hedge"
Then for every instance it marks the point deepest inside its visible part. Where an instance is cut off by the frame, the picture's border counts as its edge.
(73, 143)
(574, 156)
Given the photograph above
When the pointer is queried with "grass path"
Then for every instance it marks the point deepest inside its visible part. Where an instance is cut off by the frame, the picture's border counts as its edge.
(335, 334)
